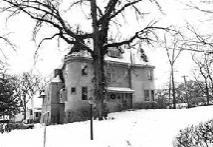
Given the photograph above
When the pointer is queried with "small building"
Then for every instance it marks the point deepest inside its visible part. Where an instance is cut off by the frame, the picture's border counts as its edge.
(130, 84)
(32, 116)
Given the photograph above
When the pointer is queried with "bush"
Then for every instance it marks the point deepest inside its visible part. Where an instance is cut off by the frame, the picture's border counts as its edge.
(161, 103)
(196, 136)
(78, 115)
(147, 105)
(84, 114)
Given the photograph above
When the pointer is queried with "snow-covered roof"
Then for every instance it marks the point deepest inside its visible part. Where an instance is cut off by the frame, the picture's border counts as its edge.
(56, 79)
(129, 56)
(119, 89)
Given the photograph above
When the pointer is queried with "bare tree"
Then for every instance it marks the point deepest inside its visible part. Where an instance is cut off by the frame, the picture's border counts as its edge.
(204, 65)
(102, 16)
(27, 85)
(3, 51)
(173, 51)
(204, 6)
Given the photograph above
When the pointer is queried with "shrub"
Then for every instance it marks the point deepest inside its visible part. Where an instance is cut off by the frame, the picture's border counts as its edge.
(147, 105)
(78, 115)
(196, 136)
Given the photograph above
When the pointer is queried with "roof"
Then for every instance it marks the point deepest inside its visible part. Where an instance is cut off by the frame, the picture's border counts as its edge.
(129, 56)
(120, 89)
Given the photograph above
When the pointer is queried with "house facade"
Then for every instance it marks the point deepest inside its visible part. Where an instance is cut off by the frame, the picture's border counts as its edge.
(130, 84)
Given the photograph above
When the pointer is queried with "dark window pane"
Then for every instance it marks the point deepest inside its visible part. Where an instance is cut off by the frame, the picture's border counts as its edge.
(84, 70)
(146, 95)
(73, 90)
(84, 93)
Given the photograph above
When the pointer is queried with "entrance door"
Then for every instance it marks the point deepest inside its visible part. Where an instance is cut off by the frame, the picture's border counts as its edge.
(127, 101)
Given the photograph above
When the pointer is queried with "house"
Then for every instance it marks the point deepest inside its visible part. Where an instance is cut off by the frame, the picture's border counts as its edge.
(31, 115)
(130, 84)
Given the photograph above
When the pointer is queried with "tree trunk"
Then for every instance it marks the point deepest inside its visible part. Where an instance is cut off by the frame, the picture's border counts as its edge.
(186, 90)
(25, 106)
(173, 88)
(207, 92)
(98, 61)
(99, 87)
(170, 89)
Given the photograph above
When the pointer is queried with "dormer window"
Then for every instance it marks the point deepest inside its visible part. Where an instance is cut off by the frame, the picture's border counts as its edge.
(114, 53)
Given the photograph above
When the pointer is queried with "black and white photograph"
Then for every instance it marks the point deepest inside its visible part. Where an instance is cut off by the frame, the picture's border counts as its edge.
(106, 73)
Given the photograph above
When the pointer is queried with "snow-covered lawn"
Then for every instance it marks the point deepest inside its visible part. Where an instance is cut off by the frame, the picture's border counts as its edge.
(141, 128)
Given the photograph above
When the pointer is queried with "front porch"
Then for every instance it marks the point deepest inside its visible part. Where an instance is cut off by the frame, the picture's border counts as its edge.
(119, 98)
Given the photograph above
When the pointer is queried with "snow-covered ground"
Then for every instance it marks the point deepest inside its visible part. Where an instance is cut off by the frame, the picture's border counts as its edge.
(141, 128)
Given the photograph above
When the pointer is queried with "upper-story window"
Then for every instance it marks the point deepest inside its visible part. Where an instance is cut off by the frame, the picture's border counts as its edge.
(84, 70)
(109, 76)
(150, 74)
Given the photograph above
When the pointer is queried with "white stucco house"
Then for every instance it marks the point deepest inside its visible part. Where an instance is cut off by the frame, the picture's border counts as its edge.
(130, 84)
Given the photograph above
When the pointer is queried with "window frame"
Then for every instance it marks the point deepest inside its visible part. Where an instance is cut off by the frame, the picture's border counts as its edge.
(146, 95)
(150, 74)
(71, 92)
(84, 93)
(84, 70)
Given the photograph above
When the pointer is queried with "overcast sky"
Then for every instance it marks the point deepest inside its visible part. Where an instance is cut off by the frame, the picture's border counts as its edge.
(50, 56)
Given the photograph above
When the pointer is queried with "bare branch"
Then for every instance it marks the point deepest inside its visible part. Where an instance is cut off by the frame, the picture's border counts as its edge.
(108, 10)
(124, 7)
(138, 35)
(198, 8)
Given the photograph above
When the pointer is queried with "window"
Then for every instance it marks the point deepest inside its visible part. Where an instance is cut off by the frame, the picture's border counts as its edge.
(146, 95)
(109, 76)
(84, 70)
(84, 93)
(63, 95)
(112, 75)
(73, 90)
(153, 95)
(150, 74)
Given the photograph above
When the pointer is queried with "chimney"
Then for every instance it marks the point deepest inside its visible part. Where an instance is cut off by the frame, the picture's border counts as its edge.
(57, 72)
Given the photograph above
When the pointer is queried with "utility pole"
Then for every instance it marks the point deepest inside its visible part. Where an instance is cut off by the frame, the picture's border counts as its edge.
(185, 85)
